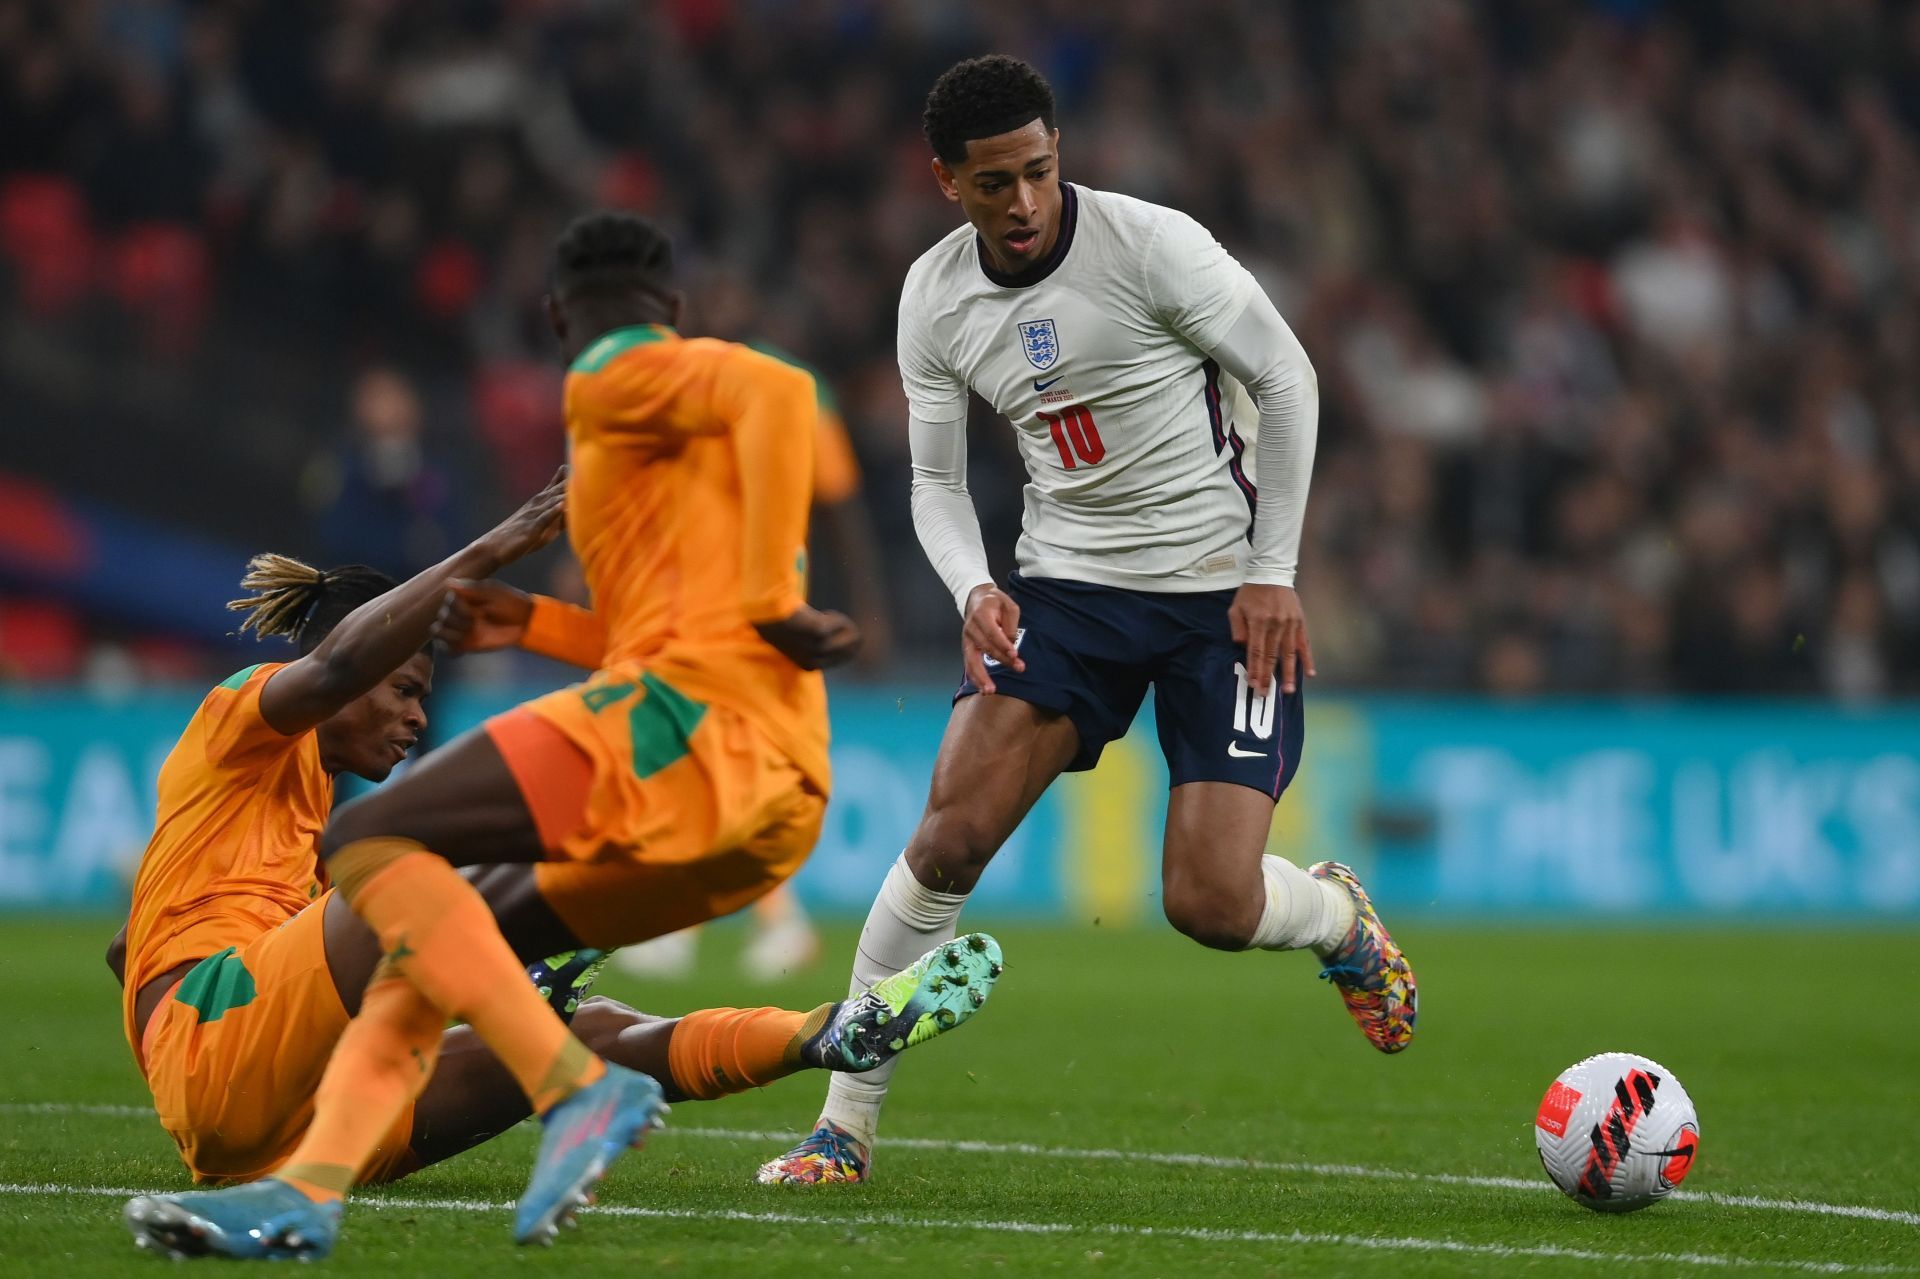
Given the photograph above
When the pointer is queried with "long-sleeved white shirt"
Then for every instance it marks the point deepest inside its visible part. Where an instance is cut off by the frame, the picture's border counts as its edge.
(1130, 363)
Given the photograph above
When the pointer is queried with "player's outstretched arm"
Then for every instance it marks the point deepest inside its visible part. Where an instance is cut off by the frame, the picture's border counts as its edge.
(483, 616)
(376, 638)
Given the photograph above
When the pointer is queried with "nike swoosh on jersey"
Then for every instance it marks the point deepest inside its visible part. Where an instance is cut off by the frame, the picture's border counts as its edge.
(1233, 749)
(1038, 385)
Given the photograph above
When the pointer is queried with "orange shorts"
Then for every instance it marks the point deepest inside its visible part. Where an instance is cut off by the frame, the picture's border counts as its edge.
(235, 1051)
(657, 812)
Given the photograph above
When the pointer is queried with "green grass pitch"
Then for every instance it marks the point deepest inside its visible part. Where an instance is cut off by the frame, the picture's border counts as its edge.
(1313, 1155)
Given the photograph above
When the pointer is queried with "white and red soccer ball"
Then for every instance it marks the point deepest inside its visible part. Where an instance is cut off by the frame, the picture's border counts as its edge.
(1617, 1132)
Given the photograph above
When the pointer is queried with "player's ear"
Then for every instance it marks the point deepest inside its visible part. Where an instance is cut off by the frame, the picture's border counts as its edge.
(676, 307)
(556, 317)
(949, 184)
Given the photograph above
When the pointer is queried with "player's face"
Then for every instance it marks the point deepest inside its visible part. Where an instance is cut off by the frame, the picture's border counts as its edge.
(372, 733)
(1009, 186)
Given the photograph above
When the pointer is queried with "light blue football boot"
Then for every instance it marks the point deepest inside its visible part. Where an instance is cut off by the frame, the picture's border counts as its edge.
(261, 1221)
(584, 1135)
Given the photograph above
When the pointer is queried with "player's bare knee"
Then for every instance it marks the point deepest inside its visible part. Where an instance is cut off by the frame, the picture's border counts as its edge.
(950, 850)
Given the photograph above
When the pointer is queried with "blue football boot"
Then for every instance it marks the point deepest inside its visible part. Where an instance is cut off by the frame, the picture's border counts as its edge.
(584, 1135)
(261, 1221)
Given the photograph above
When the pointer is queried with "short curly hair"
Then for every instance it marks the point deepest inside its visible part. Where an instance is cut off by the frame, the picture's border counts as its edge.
(612, 252)
(983, 97)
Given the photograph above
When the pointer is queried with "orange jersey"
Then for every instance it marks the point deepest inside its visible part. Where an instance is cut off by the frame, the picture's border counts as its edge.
(235, 848)
(836, 472)
(692, 466)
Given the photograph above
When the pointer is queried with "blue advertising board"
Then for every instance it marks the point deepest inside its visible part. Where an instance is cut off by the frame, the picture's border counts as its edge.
(1456, 807)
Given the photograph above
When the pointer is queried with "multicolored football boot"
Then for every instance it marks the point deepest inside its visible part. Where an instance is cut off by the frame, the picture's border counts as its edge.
(260, 1221)
(563, 980)
(829, 1154)
(939, 991)
(584, 1134)
(1373, 977)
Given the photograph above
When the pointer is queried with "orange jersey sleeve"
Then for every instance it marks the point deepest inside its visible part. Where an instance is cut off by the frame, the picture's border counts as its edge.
(771, 410)
(235, 845)
(233, 733)
(836, 472)
(565, 632)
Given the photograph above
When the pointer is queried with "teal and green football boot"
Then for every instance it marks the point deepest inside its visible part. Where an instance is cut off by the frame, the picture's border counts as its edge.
(564, 980)
(942, 989)
(936, 993)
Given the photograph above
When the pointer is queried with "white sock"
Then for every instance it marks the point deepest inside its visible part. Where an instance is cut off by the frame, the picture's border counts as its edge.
(1301, 911)
(908, 919)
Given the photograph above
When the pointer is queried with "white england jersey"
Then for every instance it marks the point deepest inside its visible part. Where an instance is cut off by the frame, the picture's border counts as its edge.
(1139, 448)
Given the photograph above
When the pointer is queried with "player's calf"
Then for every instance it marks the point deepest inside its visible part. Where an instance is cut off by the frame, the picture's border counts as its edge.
(1218, 916)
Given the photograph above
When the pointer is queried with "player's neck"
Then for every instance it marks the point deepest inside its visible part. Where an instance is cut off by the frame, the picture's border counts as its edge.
(593, 324)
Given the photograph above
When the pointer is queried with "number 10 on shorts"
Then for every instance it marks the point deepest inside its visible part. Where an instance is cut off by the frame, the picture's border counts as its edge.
(1250, 710)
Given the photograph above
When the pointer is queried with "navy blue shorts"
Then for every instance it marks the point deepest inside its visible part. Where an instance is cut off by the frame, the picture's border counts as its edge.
(1091, 651)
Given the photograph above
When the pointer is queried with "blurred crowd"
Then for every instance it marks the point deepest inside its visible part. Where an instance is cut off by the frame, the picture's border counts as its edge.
(1615, 304)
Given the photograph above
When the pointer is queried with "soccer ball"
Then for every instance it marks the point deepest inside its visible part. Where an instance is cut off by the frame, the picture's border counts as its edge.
(1617, 1132)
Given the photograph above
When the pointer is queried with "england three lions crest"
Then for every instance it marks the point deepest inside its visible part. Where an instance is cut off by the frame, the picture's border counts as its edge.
(1041, 342)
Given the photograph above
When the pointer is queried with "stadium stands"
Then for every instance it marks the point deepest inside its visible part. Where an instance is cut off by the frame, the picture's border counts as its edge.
(1614, 304)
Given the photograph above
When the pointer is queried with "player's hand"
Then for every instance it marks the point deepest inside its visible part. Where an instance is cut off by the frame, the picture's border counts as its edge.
(534, 525)
(813, 639)
(479, 617)
(1268, 620)
(992, 629)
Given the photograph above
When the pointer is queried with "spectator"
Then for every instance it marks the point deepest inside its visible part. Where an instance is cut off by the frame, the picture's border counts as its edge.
(1614, 306)
(379, 500)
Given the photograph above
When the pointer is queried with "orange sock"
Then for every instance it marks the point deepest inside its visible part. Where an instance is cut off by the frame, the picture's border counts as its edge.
(439, 935)
(380, 1064)
(717, 1051)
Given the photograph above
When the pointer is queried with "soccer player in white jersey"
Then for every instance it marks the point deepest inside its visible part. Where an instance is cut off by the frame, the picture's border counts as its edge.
(1124, 345)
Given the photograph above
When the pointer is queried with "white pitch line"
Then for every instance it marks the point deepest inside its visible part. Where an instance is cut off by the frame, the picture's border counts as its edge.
(1174, 1158)
(1296, 1238)
(70, 1108)
(1863, 1212)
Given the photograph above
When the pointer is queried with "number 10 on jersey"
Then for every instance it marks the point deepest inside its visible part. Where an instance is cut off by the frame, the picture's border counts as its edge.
(1075, 435)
